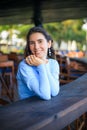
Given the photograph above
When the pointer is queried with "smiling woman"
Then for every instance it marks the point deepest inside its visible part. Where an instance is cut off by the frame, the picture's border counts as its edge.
(37, 73)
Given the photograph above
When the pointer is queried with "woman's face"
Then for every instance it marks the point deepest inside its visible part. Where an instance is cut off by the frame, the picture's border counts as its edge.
(39, 45)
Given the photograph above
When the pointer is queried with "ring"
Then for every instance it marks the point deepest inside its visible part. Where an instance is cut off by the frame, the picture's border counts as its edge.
(28, 58)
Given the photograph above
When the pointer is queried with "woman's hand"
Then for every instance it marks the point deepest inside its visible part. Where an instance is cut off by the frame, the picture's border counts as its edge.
(35, 61)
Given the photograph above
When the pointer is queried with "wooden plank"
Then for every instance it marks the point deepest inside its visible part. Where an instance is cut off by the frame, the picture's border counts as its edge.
(55, 114)
(67, 116)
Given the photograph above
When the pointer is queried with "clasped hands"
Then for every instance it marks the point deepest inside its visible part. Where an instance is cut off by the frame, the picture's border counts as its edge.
(35, 61)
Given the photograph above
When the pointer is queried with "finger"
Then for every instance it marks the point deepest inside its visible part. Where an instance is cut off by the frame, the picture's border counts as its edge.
(28, 61)
(32, 59)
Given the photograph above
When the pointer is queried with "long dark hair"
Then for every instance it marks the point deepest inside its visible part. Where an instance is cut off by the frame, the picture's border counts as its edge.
(27, 51)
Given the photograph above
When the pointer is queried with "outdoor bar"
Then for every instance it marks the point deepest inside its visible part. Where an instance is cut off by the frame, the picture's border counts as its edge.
(70, 105)
(55, 114)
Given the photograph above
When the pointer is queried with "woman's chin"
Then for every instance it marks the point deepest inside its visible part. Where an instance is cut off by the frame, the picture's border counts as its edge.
(39, 56)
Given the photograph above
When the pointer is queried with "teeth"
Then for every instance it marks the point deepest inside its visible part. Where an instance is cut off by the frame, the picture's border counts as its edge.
(37, 52)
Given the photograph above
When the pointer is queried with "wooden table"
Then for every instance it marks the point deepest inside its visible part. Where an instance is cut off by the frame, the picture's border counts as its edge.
(79, 63)
(55, 114)
(80, 60)
(5, 64)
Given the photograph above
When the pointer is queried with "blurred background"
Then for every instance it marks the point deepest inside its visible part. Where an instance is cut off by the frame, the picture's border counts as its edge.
(68, 36)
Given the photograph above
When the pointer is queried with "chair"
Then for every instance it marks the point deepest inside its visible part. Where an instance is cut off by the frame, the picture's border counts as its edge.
(14, 57)
(4, 101)
(7, 76)
(7, 68)
(67, 72)
(64, 71)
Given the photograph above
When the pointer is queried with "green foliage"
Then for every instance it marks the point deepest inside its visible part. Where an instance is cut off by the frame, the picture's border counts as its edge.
(5, 27)
(23, 30)
(66, 30)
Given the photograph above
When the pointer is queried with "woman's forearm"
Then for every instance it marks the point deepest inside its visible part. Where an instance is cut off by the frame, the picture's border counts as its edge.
(43, 88)
(54, 83)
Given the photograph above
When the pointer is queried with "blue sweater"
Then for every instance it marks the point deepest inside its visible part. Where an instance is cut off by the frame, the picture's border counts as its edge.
(42, 80)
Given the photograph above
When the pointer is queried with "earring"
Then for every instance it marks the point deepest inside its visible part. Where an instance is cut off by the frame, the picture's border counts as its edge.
(49, 51)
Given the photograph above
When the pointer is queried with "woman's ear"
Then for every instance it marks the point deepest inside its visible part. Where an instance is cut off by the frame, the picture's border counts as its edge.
(49, 43)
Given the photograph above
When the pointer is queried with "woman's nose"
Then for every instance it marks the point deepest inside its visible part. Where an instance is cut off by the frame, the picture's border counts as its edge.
(36, 45)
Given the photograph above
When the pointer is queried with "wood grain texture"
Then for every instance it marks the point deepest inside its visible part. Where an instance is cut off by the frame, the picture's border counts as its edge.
(55, 114)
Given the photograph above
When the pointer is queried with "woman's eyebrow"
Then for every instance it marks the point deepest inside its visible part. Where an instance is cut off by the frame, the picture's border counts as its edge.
(36, 40)
(39, 39)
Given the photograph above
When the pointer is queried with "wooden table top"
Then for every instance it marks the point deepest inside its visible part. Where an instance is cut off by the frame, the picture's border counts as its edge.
(81, 60)
(7, 63)
(55, 114)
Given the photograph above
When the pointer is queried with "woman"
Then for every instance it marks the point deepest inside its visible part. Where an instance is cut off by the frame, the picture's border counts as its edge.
(37, 73)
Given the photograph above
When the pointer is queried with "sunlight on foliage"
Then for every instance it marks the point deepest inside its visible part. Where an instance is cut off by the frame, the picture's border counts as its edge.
(66, 30)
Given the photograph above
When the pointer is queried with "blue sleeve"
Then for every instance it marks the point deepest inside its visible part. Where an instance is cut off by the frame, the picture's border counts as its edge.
(53, 76)
(37, 83)
(41, 84)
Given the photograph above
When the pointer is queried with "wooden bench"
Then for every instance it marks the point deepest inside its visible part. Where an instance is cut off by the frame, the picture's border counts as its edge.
(55, 114)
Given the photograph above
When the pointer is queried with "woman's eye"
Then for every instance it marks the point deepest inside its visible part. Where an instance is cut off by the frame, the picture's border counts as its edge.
(40, 41)
(31, 43)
